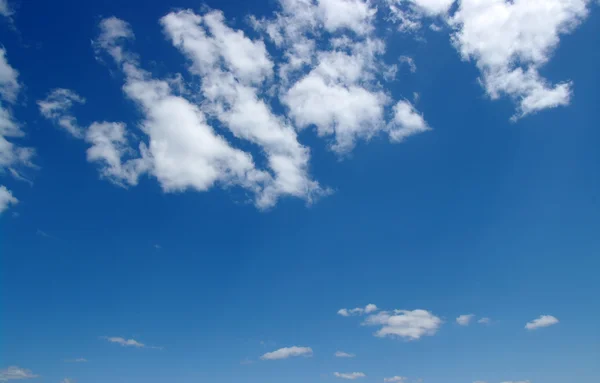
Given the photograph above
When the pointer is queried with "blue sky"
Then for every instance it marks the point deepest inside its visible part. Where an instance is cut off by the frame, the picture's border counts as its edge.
(237, 191)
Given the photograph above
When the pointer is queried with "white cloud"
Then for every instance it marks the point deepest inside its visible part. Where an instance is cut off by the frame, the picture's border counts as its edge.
(348, 112)
(484, 321)
(349, 375)
(342, 354)
(340, 95)
(520, 381)
(358, 310)
(6, 199)
(410, 62)
(432, 7)
(57, 107)
(67, 380)
(12, 156)
(127, 342)
(9, 84)
(109, 146)
(15, 373)
(231, 95)
(183, 151)
(108, 140)
(399, 379)
(542, 321)
(5, 9)
(288, 352)
(411, 325)
(331, 83)
(355, 15)
(511, 41)
(408, 14)
(406, 122)
(465, 320)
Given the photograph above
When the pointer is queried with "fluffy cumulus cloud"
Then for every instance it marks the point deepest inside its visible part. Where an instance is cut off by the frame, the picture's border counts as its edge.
(542, 321)
(288, 352)
(109, 141)
(318, 65)
(325, 68)
(332, 81)
(349, 375)
(406, 122)
(13, 157)
(15, 373)
(233, 69)
(342, 354)
(511, 41)
(465, 320)
(406, 324)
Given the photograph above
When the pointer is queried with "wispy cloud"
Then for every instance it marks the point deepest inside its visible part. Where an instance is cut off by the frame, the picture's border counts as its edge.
(342, 354)
(15, 373)
(484, 321)
(358, 310)
(76, 360)
(349, 375)
(410, 62)
(395, 379)
(43, 234)
(288, 352)
(128, 342)
(542, 321)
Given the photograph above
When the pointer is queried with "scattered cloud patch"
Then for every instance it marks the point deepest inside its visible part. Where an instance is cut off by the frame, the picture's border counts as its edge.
(57, 107)
(395, 379)
(542, 321)
(128, 342)
(15, 373)
(465, 320)
(13, 157)
(342, 354)
(6, 199)
(511, 40)
(406, 122)
(484, 320)
(5, 9)
(349, 375)
(370, 308)
(77, 360)
(410, 62)
(406, 324)
(288, 352)
(109, 141)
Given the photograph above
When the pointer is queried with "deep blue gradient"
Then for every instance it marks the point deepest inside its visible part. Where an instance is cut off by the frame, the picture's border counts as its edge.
(479, 215)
